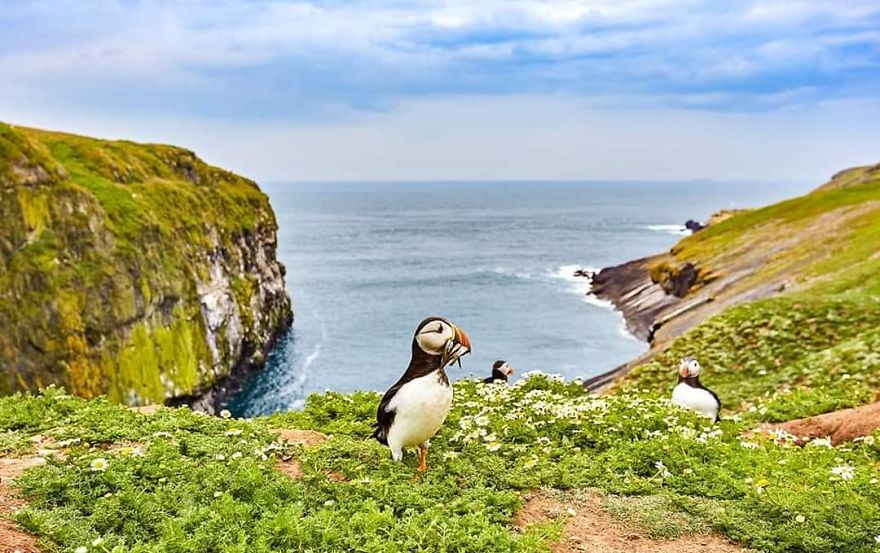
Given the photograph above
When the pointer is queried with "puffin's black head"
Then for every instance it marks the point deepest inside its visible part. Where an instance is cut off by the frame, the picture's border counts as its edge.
(688, 368)
(501, 370)
(438, 337)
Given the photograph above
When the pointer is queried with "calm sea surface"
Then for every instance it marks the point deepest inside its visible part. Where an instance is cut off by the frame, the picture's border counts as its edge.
(367, 261)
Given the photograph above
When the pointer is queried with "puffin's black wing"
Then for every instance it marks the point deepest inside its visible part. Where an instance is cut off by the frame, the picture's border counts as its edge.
(718, 401)
(385, 417)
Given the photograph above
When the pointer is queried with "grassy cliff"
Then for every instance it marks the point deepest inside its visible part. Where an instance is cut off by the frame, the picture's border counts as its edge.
(176, 480)
(800, 283)
(132, 270)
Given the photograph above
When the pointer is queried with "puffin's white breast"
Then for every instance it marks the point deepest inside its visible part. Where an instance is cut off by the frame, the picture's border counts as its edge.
(421, 406)
(697, 399)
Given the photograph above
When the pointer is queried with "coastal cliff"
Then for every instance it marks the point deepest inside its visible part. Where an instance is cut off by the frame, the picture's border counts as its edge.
(132, 270)
(820, 245)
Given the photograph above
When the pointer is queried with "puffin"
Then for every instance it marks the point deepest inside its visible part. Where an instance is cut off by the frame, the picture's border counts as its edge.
(500, 371)
(690, 392)
(415, 407)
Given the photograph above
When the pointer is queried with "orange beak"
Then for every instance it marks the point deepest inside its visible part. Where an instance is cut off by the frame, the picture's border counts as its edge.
(457, 347)
(683, 371)
(462, 338)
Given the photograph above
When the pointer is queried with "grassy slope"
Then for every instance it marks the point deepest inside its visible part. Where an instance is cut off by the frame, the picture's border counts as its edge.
(815, 348)
(196, 484)
(101, 246)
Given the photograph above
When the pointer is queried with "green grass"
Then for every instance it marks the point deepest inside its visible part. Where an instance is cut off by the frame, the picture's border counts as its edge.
(199, 485)
(780, 358)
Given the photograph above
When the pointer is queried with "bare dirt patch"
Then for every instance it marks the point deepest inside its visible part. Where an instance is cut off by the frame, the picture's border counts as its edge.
(147, 409)
(589, 527)
(12, 537)
(306, 438)
(841, 426)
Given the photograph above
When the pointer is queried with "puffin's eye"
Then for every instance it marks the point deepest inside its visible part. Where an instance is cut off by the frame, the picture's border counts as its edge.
(439, 329)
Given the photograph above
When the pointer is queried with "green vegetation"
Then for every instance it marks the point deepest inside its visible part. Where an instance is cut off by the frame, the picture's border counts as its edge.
(180, 481)
(104, 246)
(816, 347)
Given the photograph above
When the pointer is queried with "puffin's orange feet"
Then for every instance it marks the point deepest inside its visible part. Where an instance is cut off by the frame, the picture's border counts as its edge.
(423, 460)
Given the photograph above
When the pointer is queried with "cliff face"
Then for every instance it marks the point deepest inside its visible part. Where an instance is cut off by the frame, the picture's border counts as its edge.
(132, 270)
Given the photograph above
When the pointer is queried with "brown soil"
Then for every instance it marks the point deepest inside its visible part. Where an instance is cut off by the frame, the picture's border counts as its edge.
(841, 426)
(12, 537)
(147, 409)
(307, 438)
(591, 528)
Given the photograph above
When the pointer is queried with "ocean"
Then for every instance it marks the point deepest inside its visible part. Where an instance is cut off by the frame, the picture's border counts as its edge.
(366, 262)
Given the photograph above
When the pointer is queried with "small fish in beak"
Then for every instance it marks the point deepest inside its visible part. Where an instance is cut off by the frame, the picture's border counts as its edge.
(456, 348)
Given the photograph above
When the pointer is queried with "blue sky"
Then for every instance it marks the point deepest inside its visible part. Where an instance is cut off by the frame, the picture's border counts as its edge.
(459, 89)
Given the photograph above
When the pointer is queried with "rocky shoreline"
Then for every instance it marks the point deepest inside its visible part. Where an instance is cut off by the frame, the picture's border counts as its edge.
(661, 297)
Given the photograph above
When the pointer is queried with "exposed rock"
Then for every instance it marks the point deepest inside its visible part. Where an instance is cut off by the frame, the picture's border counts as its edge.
(694, 226)
(680, 282)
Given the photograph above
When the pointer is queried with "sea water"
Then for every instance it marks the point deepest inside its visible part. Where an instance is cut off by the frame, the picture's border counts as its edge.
(366, 262)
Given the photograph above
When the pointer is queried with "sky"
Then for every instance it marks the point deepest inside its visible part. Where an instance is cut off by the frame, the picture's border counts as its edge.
(461, 89)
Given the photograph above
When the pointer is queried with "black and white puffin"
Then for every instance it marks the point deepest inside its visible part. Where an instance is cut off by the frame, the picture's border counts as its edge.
(413, 410)
(500, 372)
(690, 392)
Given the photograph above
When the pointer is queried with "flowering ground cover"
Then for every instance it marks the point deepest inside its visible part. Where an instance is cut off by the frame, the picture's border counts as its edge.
(180, 481)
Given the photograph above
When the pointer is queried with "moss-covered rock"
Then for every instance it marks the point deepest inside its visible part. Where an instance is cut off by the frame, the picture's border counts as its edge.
(134, 270)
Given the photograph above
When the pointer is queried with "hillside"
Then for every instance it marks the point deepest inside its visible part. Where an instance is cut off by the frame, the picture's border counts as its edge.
(542, 465)
(131, 270)
(786, 284)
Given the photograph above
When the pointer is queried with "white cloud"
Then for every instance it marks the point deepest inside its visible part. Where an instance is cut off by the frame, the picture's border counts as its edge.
(524, 137)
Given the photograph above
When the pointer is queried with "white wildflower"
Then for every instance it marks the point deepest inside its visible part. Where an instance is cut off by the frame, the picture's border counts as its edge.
(234, 432)
(99, 465)
(800, 519)
(225, 414)
(664, 472)
(97, 542)
(221, 457)
(218, 494)
(236, 455)
(81, 549)
(845, 472)
(821, 442)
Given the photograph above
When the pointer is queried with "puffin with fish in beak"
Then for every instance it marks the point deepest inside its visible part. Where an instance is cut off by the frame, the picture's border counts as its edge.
(690, 392)
(413, 410)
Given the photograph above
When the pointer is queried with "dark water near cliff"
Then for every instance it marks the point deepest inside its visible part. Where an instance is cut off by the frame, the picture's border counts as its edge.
(366, 262)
